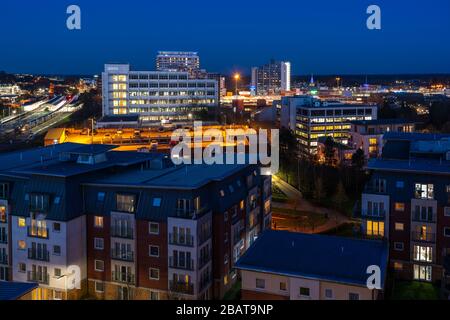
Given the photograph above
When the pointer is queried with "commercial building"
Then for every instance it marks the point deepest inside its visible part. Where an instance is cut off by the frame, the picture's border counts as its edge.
(285, 265)
(178, 61)
(311, 118)
(156, 95)
(272, 78)
(86, 219)
(407, 201)
(367, 135)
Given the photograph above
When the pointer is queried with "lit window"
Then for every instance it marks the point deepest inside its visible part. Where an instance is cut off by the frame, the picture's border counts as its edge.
(222, 193)
(2, 214)
(98, 222)
(422, 253)
(225, 280)
(375, 228)
(398, 266)
(424, 191)
(241, 205)
(399, 206)
(422, 272)
(156, 202)
(21, 244)
(125, 203)
(399, 226)
(21, 222)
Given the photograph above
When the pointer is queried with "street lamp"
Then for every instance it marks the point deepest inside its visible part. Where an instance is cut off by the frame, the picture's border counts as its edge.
(236, 79)
(337, 81)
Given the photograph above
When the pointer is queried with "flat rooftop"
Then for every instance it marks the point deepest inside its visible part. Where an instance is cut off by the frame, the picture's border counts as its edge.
(313, 256)
(383, 122)
(414, 165)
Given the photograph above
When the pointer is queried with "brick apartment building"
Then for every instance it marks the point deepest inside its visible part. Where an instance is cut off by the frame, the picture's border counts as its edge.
(407, 201)
(85, 220)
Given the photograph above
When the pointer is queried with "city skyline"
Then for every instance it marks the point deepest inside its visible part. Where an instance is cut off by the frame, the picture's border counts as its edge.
(326, 38)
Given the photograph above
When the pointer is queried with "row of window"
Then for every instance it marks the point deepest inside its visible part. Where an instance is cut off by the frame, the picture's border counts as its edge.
(304, 292)
(153, 273)
(153, 227)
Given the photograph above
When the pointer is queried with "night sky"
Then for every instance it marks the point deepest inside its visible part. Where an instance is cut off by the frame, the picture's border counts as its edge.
(317, 36)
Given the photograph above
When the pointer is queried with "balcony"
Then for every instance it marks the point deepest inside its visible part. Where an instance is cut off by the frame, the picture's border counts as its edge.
(39, 277)
(181, 287)
(3, 238)
(189, 213)
(122, 256)
(38, 232)
(203, 237)
(188, 265)
(423, 237)
(3, 259)
(39, 255)
(374, 189)
(371, 215)
(121, 232)
(418, 217)
(123, 277)
(179, 240)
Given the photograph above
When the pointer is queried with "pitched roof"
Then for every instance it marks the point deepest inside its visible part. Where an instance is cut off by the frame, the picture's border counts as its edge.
(15, 290)
(329, 258)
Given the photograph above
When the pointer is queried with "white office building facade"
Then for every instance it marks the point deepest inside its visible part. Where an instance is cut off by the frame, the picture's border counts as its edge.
(156, 95)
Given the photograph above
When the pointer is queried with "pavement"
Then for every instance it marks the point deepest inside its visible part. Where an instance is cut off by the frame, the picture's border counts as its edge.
(296, 202)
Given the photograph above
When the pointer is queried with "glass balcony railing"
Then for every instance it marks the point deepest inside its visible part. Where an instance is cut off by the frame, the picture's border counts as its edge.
(181, 240)
(423, 236)
(38, 232)
(122, 255)
(122, 232)
(185, 265)
(39, 277)
(39, 255)
(123, 277)
(181, 287)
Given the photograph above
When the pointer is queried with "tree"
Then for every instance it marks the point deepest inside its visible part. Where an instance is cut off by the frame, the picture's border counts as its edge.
(329, 151)
(358, 159)
(288, 142)
(340, 197)
(319, 191)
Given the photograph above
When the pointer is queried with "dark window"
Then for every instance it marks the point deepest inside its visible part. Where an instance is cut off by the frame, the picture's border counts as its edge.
(304, 291)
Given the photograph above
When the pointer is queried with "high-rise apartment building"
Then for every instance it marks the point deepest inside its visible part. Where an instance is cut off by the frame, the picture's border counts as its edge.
(311, 118)
(156, 95)
(407, 202)
(272, 78)
(85, 219)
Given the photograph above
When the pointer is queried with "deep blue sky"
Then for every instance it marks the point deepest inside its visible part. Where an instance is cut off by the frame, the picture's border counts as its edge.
(317, 36)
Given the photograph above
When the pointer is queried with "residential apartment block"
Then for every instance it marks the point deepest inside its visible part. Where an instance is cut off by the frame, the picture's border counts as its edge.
(86, 220)
(285, 265)
(156, 95)
(407, 201)
(367, 135)
(311, 118)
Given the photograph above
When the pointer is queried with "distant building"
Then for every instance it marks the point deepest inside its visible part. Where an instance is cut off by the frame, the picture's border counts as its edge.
(368, 134)
(285, 265)
(342, 152)
(272, 78)
(407, 201)
(179, 61)
(311, 118)
(86, 219)
(156, 95)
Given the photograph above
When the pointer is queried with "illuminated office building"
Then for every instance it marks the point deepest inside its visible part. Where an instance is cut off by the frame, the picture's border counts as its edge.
(156, 95)
(311, 118)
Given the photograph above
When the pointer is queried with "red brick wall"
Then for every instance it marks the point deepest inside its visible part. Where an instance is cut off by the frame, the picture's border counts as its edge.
(92, 254)
(144, 262)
